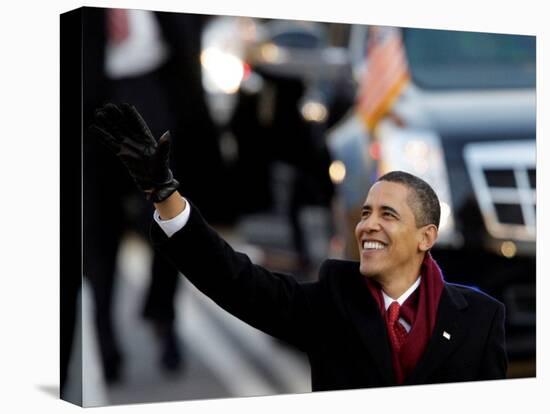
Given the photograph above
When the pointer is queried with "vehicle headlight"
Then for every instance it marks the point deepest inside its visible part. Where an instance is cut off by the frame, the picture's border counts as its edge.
(222, 71)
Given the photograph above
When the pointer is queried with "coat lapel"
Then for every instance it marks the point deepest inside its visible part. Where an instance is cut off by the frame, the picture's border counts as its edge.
(371, 328)
(448, 334)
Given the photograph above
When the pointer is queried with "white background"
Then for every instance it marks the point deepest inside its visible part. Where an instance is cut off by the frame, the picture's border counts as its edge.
(29, 178)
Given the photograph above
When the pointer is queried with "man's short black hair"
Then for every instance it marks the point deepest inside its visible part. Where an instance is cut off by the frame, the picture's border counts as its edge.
(422, 200)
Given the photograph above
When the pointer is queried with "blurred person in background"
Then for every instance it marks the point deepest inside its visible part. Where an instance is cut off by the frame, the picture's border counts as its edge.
(151, 59)
(388, 319)
(271, 129)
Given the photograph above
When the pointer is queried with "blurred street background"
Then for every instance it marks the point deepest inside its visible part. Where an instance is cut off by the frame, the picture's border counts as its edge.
(279, 129)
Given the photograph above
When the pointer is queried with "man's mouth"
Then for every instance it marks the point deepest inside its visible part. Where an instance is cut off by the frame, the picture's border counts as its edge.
(369, 245)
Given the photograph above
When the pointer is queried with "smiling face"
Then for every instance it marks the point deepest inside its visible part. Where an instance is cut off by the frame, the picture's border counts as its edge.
(390, 244)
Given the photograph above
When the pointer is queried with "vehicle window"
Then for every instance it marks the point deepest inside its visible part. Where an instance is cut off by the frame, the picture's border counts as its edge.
(470, 60)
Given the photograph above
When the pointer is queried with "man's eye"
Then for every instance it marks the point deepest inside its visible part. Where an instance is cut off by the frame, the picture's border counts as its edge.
(388, 214)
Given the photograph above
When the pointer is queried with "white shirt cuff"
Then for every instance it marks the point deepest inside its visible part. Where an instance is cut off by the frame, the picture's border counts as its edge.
(174, 224)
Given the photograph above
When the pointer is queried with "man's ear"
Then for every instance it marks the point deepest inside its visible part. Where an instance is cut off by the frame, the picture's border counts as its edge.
(428, 237)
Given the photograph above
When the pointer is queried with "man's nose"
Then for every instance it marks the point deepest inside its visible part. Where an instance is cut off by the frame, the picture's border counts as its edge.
(371, 223)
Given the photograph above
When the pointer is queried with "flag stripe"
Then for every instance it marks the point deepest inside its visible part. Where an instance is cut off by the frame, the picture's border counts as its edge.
(385, 77)
(383, 84)
(372, 118)
(386, 67)
(377, 61)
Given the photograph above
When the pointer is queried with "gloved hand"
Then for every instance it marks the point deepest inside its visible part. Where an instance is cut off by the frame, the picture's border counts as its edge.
(125, 132)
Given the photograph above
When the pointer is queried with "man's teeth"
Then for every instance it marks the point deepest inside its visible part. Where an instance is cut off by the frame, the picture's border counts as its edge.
(372, 245)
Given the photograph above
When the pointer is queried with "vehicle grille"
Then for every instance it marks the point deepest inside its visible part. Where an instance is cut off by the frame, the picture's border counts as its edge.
(503, 176)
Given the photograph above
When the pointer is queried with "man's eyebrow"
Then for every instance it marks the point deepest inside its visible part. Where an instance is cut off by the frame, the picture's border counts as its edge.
(367, 207)
(390, 209)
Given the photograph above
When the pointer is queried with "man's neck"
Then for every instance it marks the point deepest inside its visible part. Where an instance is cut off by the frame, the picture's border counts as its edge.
(395, 285)
(396, 288)
(403, 297)
(399, 280)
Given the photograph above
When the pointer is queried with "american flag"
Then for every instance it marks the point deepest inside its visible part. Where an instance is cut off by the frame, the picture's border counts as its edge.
(385, 76)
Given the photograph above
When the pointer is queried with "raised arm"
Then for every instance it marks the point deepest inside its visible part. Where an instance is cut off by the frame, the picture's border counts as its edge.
(273, 302)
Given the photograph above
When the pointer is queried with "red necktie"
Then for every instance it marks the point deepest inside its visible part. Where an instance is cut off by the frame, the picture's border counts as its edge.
(396, 331)
(117, 24)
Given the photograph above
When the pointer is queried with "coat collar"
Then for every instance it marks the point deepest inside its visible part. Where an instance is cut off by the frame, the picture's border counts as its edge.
(448, 334)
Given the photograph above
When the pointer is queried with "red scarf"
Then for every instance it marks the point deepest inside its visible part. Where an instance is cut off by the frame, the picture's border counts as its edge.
(420, 311)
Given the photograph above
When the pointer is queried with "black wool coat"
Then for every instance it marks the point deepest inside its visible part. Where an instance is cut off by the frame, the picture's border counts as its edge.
(335, 320)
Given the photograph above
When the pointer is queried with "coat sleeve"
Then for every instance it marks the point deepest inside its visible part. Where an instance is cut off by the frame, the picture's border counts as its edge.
(494, 362)
(273, 302)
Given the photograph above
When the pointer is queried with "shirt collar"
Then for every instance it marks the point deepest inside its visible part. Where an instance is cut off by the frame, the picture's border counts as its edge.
(401, 299)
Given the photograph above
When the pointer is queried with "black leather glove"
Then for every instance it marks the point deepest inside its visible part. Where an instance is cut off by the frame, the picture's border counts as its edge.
(125, 132)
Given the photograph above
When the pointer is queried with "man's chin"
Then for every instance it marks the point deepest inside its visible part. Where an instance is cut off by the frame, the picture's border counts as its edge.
(368, 271)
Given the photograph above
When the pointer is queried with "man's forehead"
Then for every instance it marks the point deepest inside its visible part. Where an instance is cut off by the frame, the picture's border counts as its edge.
(385, 192)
